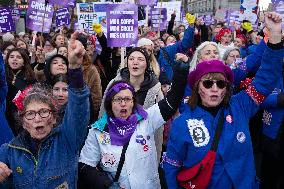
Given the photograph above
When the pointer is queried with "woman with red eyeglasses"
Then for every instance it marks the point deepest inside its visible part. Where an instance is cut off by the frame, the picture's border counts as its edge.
(210, 144)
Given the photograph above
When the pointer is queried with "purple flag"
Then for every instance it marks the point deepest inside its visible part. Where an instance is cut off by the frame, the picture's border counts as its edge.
(72, 3)
(122, 25)
(6, 20)
(62, 17)
(209, 19)
(35, 15)
(147, 2)
(155, 15)
(59, 2)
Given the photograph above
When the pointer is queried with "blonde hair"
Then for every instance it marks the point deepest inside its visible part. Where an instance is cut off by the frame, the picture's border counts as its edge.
(196, 57)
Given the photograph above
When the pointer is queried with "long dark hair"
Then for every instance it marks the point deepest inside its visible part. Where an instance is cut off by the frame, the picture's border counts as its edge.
(27, 69)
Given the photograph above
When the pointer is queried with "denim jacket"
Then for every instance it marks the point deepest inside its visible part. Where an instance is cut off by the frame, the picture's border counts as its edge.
(56, 163)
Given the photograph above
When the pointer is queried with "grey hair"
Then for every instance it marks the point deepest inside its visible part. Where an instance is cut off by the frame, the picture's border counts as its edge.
(197, 54)
(228, 51)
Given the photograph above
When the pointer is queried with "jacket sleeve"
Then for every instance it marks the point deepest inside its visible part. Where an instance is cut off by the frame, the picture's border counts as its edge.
(176, 152)
(77, 114)
(171, 25)
(168, 106)
(253, 61)
(3, 83)
(264, 82)
(90, 153)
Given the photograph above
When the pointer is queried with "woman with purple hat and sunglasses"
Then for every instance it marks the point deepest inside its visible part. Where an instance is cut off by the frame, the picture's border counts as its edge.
(126, 123)
(210, 144)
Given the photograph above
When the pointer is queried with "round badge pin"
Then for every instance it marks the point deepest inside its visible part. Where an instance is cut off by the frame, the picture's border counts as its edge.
(229, 118)
(241, 137)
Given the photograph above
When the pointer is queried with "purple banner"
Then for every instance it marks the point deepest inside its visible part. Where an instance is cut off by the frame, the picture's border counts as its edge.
(147, 2)
(36, 12)
(62, 17)
(122, 25)
(72, 3)
(6, 20)
(59, 2)
(156, 22)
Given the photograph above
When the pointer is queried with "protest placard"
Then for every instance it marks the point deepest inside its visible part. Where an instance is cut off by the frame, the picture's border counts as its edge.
(173, 6)
(89, 14)
(39, 16)
(158, 20)
(59, 2)
(6, 20)
(147, 2)
(122, 25)
(62, 17)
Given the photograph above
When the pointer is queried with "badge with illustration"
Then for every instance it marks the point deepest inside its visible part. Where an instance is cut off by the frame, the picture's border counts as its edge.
(104, 139)
(140, 139)
(108, 160)
(198, 132)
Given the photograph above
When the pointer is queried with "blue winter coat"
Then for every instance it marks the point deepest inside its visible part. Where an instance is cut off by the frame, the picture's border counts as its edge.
(172, 50)
(56, 162)
(6, 134)
(234, 165)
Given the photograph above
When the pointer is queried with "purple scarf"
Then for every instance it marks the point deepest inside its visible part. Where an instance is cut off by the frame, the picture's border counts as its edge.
(121, 130)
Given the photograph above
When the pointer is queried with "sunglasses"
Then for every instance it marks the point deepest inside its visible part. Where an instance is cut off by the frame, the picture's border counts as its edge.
(221, 84)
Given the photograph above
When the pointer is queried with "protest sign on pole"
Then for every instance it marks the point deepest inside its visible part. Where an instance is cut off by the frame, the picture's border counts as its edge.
(158, 18)
(173, 6)
(39, 16)
(6, 20)
(15, 14)
(122, 25)
(62, 17)
(89, 14)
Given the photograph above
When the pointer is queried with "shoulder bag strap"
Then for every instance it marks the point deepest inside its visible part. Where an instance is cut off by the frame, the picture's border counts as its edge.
(218, 132)
(121, 162)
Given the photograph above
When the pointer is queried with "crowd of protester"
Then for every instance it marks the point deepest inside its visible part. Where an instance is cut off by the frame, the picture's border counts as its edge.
(191, 107)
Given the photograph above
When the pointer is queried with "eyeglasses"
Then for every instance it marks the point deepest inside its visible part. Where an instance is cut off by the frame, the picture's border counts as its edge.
(221, 84)
(44, 113)
(119, 100)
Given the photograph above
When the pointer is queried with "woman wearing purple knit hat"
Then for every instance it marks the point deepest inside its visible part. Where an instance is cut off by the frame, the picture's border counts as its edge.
(210, 144)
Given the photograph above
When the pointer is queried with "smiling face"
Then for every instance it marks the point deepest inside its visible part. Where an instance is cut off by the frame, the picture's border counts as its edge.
(58, 66)
(60, 92)
(15, 60)
(122, 104)
(209, 52)
(137, 64)
(41, 125)
(213, 96)
(226, 39)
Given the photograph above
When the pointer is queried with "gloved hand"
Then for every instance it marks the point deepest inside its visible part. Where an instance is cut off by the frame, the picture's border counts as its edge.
(190, 18)
(247, 26)
(97, 28)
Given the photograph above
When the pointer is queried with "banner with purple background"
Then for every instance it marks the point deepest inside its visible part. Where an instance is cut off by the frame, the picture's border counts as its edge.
(15, 14)
(279, 8)
(62, 17)
(35, 15)
(72, 3)
(158, 21)
(6, 20)
(147, 2)
(122, 25)
(59, 2)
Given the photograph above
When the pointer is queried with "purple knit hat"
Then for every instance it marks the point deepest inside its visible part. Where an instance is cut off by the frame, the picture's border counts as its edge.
(212, 66)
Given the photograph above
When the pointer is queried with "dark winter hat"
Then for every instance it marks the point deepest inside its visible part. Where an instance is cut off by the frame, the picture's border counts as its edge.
(213, 66)
(143, 51)
(164, 79)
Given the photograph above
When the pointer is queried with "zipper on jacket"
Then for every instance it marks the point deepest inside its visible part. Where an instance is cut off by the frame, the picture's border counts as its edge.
(26, 150)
